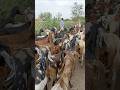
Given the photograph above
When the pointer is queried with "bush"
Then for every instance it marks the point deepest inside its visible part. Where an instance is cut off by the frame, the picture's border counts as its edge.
(50, 23)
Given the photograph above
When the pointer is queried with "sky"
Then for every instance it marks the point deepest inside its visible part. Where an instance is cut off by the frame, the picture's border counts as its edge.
(55, 6)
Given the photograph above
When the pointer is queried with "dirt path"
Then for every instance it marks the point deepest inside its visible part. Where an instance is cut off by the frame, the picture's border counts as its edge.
(78, 78)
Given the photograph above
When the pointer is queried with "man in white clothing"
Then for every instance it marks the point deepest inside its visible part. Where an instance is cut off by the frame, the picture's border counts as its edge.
(62, 24)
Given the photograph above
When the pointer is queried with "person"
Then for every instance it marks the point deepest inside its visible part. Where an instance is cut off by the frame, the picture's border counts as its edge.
(62, 24)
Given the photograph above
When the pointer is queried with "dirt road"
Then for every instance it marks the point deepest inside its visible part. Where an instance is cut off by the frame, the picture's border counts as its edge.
(78, 78)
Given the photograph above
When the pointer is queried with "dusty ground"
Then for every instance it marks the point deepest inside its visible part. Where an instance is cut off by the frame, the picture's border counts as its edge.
(78, 78)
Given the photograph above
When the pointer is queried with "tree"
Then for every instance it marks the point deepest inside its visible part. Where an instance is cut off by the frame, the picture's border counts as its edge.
(77, 11)
(45, 16)
(59, 15)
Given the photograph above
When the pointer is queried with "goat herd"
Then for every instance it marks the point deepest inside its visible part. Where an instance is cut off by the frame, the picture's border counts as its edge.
(102, 41)
(56, 57)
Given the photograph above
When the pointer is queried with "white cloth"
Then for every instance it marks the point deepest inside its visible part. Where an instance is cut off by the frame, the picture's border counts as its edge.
(62, 24)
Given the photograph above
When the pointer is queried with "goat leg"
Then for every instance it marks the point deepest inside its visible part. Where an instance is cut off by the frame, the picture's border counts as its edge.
(70, 84)
(46, 87)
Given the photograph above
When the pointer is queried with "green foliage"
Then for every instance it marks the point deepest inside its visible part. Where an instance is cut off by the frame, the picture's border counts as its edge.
(37, 26)
(45, 16)
(77, 10)
(69, 23)
(82, 20)
(50, 24)
(59, 15)
(45, 19)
